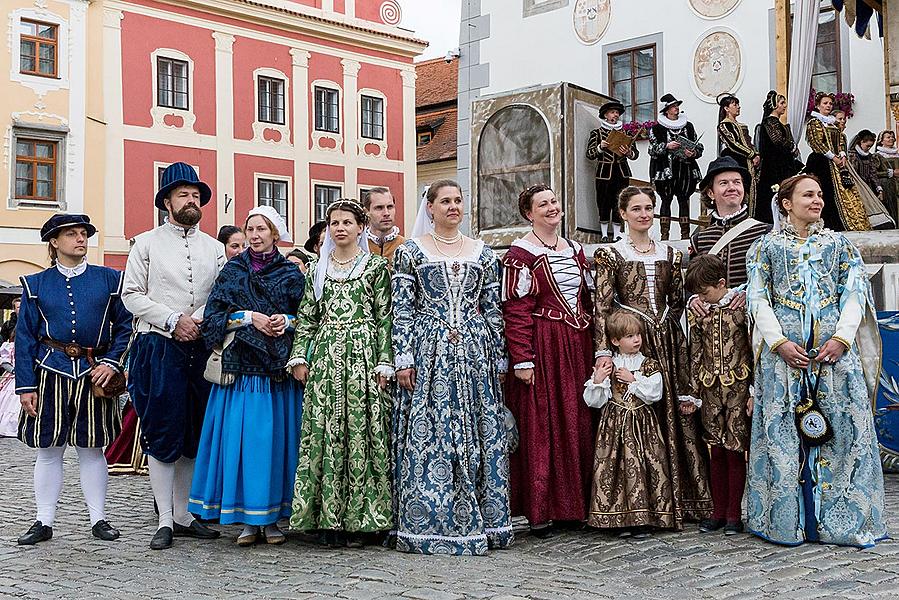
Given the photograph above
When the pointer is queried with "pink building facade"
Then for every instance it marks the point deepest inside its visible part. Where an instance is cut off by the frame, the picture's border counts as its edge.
(291, 104)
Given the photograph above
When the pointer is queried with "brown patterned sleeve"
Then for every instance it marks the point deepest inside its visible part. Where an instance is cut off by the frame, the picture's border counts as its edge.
(676, 300)
(778, 134)
(731, 138)
(816, 137)
(604, 295)
(694, 348)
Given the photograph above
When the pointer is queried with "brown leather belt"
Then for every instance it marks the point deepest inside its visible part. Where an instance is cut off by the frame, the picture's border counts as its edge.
(73, 350)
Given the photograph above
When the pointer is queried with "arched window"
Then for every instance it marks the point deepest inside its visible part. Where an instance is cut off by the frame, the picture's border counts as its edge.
(513, 154)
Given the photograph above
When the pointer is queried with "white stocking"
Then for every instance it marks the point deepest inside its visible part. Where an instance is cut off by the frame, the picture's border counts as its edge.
(184, 475)
(94, 479)
(48, 482)
(162, 480)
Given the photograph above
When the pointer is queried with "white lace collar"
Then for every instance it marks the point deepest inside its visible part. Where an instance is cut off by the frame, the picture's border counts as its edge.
(373, 237)
(606, 125)
(813, 228)
(727, 297)
(627, 251)
(678, 124)
(179, 229)
(887, 151)
(729, 218)
(72, 271)
(826, 119)
(860, 152)
(567, 249)
(631, 362)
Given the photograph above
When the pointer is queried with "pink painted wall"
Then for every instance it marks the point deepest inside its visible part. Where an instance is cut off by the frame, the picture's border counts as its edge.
(140, 37)
(245, 166)
(388, 81)
(370, 10)
(249, 55)
(140, 183)
(368, 178)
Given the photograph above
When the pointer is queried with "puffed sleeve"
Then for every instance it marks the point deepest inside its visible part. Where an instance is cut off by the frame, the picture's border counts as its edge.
(383, 313)
(593, 150)
(853, 289)
(658, 147)
(604, 295)
(519, 301)
(27, 334)
(758, 294)
(648, 385)
(730, 137)
(676, 299)
(405, 288)
(816, 137)
(306, 325)
(489, 303)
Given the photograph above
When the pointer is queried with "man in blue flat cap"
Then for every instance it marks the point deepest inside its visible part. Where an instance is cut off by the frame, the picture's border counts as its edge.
(71, 338)
(168, 277)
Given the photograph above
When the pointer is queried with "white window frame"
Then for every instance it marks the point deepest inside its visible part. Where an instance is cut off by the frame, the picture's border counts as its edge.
(259, 127)
(313, 183)
(40, 85)
(288, 181)
(364, 141)
(160, 112)
(57, 135)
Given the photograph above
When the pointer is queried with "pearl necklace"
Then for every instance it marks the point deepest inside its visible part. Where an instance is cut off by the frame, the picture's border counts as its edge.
(446, 241)
(652, 246)
(343, 263)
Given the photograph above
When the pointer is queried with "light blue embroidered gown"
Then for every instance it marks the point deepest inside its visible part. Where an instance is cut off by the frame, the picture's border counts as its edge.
(451, 480)
(796, 287)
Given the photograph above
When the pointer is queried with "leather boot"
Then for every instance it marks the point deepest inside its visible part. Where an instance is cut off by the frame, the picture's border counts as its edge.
(684, 228)
(664, 227)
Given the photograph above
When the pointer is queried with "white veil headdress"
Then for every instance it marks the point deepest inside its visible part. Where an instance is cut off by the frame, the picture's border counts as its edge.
(775, 210)
(328, 246)
(423, 222)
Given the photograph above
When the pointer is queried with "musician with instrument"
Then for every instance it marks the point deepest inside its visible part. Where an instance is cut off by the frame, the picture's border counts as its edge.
(674, 148)
(611, 147)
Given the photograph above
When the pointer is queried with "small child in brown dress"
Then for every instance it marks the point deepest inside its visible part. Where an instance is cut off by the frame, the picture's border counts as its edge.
(631, 482)
(721, 373)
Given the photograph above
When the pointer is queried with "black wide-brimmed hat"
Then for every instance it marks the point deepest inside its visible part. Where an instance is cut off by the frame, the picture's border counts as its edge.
(314, 233)
(722, 165)
(611, 105)
(57, 223)
(178, 174)
(667, 101)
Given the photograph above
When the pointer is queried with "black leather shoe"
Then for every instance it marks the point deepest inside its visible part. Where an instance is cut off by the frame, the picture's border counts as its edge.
(733, 527)
(196, 530)
(710, 525)
(162, 539)
(105, 531)
(36, 533)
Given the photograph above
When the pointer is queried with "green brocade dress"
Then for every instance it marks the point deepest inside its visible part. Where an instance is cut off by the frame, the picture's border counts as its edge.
(343, 473)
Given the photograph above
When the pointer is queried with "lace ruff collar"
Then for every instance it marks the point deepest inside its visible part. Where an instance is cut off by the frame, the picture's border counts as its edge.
(887, 152)
(826, 119)
(813, 229)
(373, 237)
(179, 229)
(737, 216)
(606, 125)
(680, 123)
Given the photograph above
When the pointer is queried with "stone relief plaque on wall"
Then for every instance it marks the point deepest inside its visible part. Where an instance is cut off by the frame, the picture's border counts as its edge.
(535, 7)
(717, 64)
(591, 19)
(713, 9)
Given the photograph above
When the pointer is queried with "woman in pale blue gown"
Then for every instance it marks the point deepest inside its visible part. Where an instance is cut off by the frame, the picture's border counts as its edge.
(811, 304)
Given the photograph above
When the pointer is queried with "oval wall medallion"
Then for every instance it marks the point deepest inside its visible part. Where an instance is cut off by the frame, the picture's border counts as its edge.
(591, 19)
(713, 9)
(717, 64)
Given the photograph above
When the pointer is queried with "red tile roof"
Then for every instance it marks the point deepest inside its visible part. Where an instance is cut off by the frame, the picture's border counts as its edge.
(437, 82)
(443, 143)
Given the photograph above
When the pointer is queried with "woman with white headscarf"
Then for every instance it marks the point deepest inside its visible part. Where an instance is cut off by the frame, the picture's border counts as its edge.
(342, 354)
(450, 445)
(248, 448)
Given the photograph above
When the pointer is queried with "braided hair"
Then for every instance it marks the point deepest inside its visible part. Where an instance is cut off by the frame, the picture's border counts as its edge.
(349, 205)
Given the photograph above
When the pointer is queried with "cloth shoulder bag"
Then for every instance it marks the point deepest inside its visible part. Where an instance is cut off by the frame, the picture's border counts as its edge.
(213, 372)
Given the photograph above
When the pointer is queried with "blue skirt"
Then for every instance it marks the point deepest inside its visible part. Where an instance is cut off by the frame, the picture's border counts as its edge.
(247, 457)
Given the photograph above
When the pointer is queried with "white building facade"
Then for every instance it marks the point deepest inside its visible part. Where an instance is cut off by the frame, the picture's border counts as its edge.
(637, 50)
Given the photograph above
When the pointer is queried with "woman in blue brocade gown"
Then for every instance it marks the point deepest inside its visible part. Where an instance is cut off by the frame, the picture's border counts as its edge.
(808, 289)
(451, 488)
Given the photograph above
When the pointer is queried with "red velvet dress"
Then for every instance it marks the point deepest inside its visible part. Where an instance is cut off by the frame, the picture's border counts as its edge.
(547, 308)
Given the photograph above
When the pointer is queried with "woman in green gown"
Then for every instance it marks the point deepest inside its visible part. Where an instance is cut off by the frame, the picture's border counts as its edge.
(342, 353)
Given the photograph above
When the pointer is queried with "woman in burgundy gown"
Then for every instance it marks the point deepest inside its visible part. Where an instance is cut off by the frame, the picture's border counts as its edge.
(547, 308)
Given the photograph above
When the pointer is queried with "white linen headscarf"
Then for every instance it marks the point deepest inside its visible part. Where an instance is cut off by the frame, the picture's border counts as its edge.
(321, 267)
(423, 222)
(277, 220)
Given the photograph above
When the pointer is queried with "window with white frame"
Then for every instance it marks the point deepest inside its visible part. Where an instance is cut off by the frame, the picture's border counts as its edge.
(273, 192)
(327, 112)
(324, 195)
(271, 100)
(38, 177)
(372, 117)
(172, 83)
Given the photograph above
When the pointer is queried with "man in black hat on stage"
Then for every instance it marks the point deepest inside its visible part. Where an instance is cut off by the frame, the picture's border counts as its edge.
(168, 277)
(731, 230)
(612, 171)
(71, 338)
(673, 150)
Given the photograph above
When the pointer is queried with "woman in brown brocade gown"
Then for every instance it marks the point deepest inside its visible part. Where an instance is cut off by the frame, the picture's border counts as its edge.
(644, 277)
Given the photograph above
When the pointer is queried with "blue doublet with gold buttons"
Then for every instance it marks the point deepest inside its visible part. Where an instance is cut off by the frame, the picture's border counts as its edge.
(79, 305)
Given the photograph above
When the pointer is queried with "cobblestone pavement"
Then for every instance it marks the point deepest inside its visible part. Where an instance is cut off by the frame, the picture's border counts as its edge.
(583, 564)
